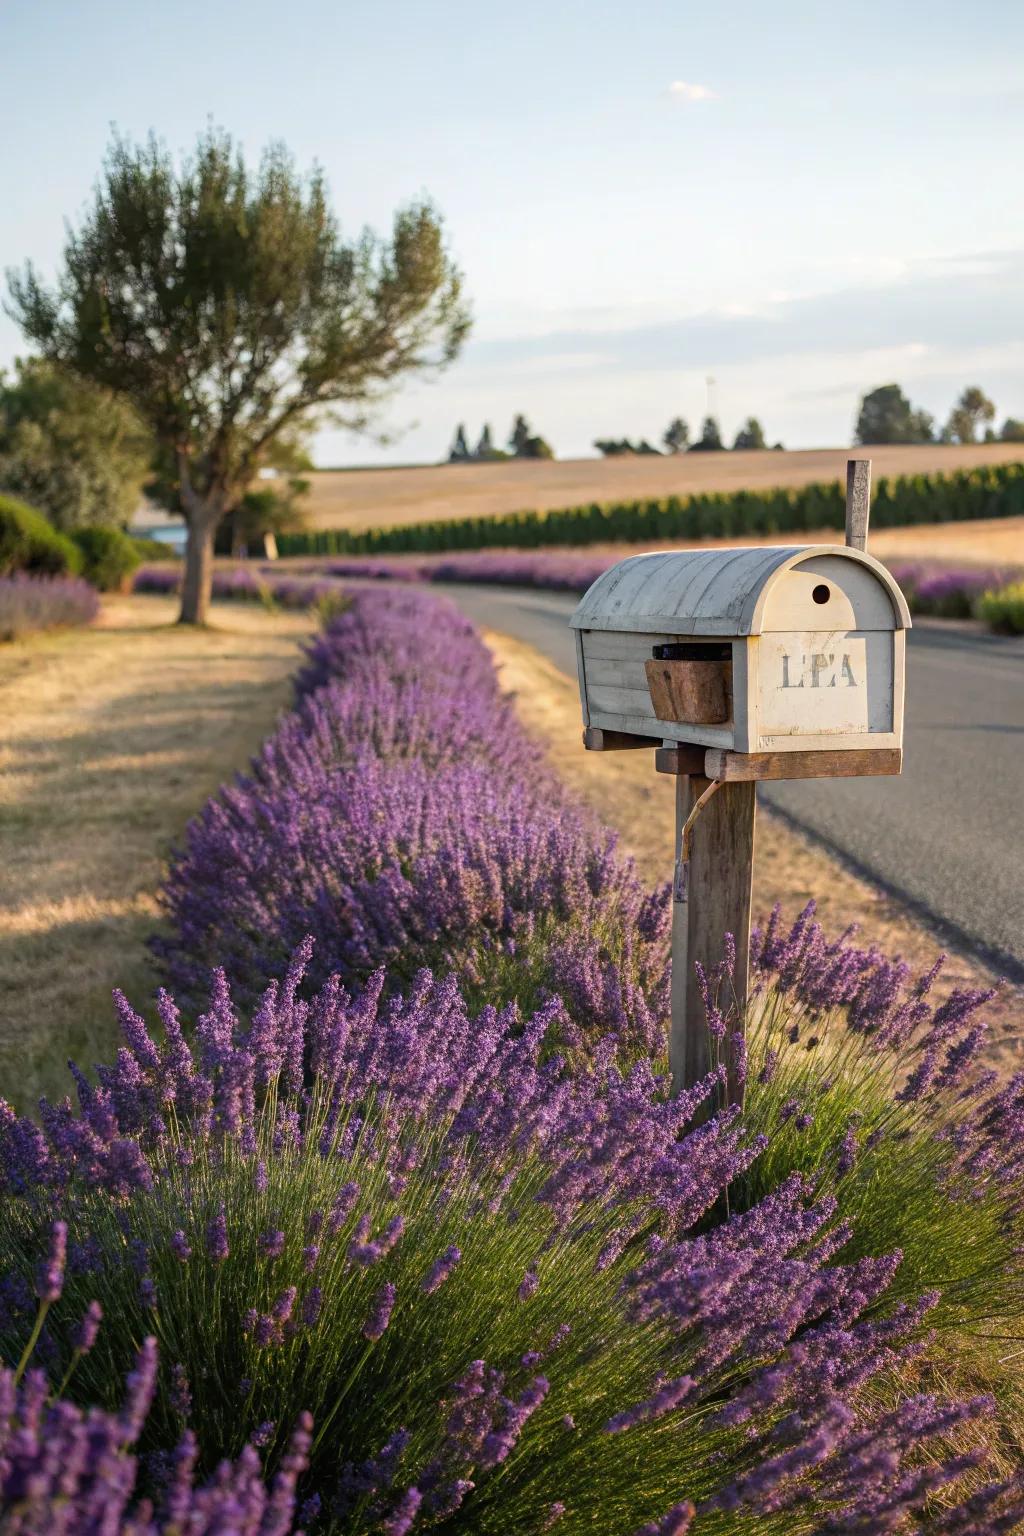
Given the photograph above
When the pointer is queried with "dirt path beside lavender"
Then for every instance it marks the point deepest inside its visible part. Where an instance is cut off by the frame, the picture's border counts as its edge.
(111, 738)
(627, 793)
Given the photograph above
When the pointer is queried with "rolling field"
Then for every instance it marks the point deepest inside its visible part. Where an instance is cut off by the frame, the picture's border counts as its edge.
(357, 499)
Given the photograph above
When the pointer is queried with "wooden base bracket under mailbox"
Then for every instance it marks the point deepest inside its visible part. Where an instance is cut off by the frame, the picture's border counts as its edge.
(745, 767)
(712, 889)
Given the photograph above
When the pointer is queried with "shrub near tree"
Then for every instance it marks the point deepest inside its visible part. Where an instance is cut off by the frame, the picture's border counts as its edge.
(224, 306)
(109, 557)
(29, 543)
(72, 449)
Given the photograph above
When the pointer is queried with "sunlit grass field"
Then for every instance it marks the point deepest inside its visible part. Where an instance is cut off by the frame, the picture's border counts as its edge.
(110, 739)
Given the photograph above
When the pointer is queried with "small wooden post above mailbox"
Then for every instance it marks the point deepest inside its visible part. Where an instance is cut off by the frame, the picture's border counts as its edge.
(738, 665)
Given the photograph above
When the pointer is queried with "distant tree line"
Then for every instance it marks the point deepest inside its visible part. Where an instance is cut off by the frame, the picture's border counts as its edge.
(523, 443)
(676, 439)
(887, 416)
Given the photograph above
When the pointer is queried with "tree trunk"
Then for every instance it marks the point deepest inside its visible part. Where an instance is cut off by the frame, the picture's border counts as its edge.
(196, 588)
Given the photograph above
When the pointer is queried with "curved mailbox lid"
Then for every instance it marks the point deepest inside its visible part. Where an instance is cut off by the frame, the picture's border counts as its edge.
(708, 591)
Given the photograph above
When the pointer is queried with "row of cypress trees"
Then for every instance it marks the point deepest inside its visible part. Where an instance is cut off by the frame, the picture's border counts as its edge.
(986, 492)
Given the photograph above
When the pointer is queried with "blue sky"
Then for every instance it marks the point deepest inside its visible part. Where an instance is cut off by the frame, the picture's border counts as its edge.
(801, 200)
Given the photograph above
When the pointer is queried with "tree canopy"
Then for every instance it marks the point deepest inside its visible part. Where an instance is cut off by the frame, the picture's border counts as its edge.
(69, 447)
(710, 440)
(223, 304)
(973, 410)
(887, 416)
(751, 435)
(458, 453)
(676, 435)
(526, 444)
(614, 447)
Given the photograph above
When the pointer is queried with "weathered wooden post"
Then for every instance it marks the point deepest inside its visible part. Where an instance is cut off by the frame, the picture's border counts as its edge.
(737, 665)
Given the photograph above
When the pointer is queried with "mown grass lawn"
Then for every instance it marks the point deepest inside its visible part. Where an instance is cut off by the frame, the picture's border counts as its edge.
(110, 739)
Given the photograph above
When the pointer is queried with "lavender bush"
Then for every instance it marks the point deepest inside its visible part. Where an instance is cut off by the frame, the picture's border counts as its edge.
(481, 1273)
(949, 592)
(30, 603)
(65, 1471)
(860, 1081)
(374, 819)
(402, 819)
(479, 1244)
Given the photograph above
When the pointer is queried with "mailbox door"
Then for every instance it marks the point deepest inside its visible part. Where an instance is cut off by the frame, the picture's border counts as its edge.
(829, 662)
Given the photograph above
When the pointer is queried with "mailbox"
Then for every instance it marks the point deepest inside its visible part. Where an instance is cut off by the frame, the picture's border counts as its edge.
(760, 650)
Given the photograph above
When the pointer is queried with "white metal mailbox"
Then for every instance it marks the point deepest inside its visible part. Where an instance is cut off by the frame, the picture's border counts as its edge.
(750, 650)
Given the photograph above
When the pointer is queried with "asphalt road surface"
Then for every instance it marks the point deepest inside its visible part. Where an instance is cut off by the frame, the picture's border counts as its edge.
(948, 835)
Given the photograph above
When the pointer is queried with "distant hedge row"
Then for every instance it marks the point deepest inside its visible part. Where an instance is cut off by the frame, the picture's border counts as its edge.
(991, 491)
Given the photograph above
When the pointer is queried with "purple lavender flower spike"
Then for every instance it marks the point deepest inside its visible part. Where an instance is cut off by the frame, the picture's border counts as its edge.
(180, 1246)
(404, 1514)
(380, 1314)
(88, 1329)
(441, 1269)
(528, 1284)
(50, 1281)
(217, 1235)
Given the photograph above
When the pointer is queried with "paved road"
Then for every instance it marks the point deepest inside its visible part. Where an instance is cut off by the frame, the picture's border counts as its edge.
(948, 836)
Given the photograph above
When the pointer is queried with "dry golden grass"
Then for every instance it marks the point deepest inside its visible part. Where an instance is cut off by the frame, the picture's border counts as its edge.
(111, 738)
(639, 803)
(379, 498)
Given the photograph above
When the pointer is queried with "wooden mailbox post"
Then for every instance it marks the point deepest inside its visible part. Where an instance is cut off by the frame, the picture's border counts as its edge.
(736, 665)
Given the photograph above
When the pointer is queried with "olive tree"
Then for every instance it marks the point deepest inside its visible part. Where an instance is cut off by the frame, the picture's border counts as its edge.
(72, 450)
(225, 306)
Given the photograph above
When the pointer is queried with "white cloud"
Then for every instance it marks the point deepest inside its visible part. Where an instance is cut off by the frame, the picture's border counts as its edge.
(685, 90)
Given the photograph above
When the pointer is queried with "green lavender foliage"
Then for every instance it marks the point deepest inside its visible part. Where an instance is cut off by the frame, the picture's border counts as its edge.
(1003, 610)
(990, 491)
(830, 1102)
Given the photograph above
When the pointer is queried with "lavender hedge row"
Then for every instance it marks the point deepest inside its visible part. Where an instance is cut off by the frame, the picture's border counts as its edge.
(415, 1270)
(516, 1287)
(931, 589)
(380, 820)
(402, 818)
(32, 603)
(245, 584)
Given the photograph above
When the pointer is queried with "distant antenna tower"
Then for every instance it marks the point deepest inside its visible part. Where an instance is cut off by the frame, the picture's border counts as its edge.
(710, 387)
